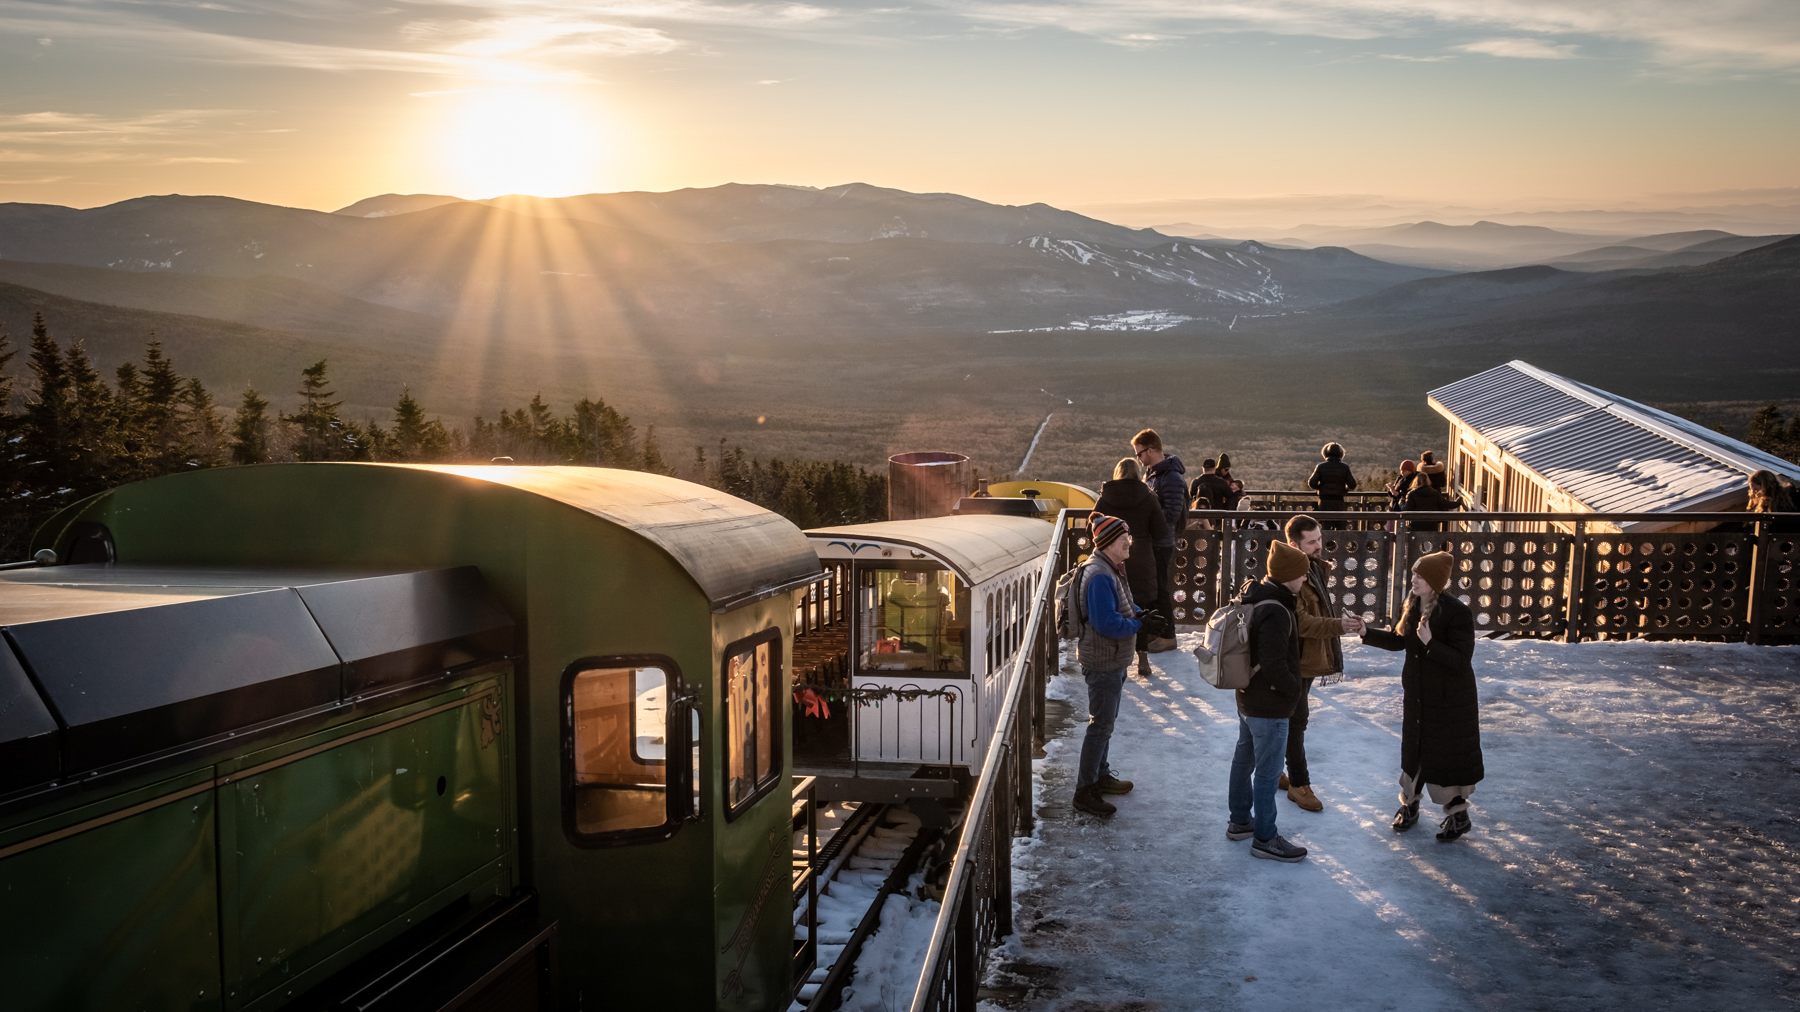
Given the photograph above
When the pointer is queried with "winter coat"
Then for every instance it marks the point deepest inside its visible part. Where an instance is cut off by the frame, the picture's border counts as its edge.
(1168, 479)
(1402, 486)
(1440, 724)
(1427, 499)
(1132, 501)
(1275, 687)
(1321, 652)
(1214, 488)
(1437, 474)
(1110, 643)
(1332, 479)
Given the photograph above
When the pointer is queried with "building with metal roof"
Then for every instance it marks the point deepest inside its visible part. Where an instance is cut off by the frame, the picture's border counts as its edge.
(1526, 440)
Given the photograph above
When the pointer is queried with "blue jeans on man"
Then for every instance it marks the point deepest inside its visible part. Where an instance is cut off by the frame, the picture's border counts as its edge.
(1104, 691)
(1255, 769)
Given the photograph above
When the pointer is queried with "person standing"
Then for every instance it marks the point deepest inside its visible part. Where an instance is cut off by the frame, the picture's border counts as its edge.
(1168, 479)
(1209, 486)
(1769, 495)
(1440, 724)
(1332, 480)
(1436, 475)
(1401, 487)
(1321, 652)
(1266, 704)
(1108, 636)
(1128, 498)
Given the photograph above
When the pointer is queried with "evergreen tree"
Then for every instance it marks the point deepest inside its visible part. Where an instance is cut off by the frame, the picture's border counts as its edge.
(698, 473)
(7, 351)
(250, 430)
(317, 419)
(416, 438)
(653, 459)
(202, 434)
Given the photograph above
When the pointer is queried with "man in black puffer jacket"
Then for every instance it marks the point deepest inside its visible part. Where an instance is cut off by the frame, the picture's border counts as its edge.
(1265, 705)
(1332, 480)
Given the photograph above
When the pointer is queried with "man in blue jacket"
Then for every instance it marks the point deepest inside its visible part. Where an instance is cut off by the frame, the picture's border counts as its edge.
(1167, 477)
(1109, 628)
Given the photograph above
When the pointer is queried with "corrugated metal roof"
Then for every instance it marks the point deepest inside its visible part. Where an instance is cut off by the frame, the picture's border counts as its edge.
(1608, 452)
(978, 546)
(735, 550)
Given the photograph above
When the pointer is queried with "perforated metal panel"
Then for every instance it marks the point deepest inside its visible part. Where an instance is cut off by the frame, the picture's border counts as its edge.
(1692, 586)
(1360, 563)
(1781, 589)
(1513, 583)
(1194, 574)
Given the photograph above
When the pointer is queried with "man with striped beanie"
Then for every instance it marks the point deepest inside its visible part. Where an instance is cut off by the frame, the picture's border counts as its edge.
(1106, 647)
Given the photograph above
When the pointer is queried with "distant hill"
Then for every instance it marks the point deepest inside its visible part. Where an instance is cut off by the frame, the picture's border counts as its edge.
(533, 278)
(395, 203)
(1739, 315)
(264, 301)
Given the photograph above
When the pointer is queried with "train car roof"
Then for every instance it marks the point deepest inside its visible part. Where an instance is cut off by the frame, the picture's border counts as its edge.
(108, 663)
(735, 550)
(978, 546)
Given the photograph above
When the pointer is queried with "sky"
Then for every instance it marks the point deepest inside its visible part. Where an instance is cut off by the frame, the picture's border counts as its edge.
(1143, 109)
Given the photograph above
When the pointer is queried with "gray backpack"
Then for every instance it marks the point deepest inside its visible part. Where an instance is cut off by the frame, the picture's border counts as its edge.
(1224, 650)
(1069, 620)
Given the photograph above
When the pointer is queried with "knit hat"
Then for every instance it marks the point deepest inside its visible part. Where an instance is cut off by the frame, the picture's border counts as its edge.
(1287, 562)
(1105, 530)
(1436, 569)
(1224, 462)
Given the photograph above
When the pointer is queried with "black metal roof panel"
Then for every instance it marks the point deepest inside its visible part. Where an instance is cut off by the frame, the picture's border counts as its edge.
(30, 741)
(134, 682)
(391, 629)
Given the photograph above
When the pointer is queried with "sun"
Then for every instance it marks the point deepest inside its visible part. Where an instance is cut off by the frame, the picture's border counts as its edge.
(500, 142)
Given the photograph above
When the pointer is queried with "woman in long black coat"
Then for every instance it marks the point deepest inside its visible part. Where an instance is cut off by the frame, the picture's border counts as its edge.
(1128, 498)
(1440, 734)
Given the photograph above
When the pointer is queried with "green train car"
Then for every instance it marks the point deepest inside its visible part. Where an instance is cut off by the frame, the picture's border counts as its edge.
(361, 736)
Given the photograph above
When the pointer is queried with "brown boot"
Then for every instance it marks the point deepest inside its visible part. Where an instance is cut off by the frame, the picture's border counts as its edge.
(1088, 800)
(1305, 798)
(1282, 784)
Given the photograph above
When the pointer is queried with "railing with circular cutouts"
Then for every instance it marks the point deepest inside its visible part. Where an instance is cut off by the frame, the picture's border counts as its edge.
(1514, 583)
(1682, 586)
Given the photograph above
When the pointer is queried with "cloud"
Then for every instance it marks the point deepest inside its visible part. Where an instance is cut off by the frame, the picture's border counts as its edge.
(1734, 34)
(70, 138)
(1521, 49)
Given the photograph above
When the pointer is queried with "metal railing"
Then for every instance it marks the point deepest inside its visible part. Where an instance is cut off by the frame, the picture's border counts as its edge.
(1572, 576)
(977, 904)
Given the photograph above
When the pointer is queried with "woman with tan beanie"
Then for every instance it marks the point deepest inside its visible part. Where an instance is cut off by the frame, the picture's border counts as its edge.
(1440, 732)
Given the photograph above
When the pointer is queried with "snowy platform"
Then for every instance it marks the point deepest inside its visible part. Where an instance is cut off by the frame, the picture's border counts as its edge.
(1636, 847)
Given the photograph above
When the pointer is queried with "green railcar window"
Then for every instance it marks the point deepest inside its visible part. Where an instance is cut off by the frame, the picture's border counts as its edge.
(621, 731)
(752, 737)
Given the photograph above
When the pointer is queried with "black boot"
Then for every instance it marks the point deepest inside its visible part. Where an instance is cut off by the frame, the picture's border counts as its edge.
(1454, 826)
(1406, 817)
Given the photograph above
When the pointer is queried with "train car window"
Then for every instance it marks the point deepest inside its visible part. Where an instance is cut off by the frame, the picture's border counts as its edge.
(618, 736)
(912, 618)
(752, 737)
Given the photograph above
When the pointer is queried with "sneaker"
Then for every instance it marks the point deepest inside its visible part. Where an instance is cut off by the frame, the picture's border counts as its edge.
(1306, 799)
(1282, 784)
(1162, 644)
(1110, 784)
(1406, 817)
(1088, 800)
(1277, 849)
(1454, 826)
(1235, 831)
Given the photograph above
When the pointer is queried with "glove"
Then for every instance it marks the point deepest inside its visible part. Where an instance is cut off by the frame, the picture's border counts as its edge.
(1155, 623)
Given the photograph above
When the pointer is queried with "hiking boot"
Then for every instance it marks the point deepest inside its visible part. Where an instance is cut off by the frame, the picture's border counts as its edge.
(1282, 784)
(1306, 799)
(1277, 849)
(1162, 644)
(1110, 784)
(1406, 817)
(1088, 800)
(1454, 826)
(1235, 831)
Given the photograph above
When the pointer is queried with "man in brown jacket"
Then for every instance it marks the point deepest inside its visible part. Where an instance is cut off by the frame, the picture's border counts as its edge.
(1321, 653)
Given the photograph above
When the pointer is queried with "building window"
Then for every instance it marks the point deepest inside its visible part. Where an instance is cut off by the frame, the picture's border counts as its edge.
(621, 725)
(752, 673)
(914, 617)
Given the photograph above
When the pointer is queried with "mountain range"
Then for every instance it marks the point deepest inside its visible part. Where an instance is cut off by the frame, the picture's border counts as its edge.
(484, 268)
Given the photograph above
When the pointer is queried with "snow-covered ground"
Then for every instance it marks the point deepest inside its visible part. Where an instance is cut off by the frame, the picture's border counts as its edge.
(1636, 847)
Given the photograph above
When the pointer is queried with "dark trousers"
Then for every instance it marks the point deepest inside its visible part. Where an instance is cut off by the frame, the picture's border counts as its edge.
(1165, 598)
(1330, 506)
(1298, 775)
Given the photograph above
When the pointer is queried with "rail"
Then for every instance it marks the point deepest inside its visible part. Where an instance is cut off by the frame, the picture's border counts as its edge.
(977, 904)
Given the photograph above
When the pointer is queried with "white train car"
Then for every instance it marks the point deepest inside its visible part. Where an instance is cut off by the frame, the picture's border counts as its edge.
(926, 616)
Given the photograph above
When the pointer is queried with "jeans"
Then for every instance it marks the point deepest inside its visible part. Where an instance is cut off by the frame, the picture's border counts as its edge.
(1298, 774)
(1261, 744)
(1104, 690)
